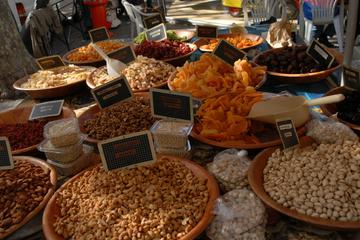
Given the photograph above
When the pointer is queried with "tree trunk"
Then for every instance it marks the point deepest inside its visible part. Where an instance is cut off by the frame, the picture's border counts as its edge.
(16, 62)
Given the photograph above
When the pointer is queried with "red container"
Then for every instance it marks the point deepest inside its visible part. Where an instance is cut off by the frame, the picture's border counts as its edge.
(98, 13)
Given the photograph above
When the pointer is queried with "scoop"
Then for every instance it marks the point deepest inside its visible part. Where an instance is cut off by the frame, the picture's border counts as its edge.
(113, 66)
(295, 107)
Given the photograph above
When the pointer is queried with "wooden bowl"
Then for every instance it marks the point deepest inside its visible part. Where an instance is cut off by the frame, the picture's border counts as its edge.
(50, 92)
(302, 77)
(179, 61)
(52, 210)
(256, 181)
(53, 178)
(21, 115)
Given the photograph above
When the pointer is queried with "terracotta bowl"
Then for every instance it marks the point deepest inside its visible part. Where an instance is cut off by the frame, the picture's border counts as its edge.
(256, 181)
(179, 61)
(21, 115)
(52, 210)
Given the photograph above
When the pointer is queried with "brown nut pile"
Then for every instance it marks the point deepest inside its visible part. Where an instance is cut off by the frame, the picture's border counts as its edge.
(160, 201)
(120, 119)
(22, 189)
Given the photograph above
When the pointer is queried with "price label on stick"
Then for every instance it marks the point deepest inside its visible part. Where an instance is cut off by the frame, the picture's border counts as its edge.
(115, 91)
(125, 54)
(320, 54)
(351, 78)
(157, 33)
(6, 160)
(127, 151)
(152, 21)
(171, 105)
(207, 31)
(46, 109)
(287, 132)
(99, 34)
(50, 62)
(228, 53)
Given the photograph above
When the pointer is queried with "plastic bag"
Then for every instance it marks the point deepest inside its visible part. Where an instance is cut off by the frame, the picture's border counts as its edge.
(230, 169)
(279, 34)
(239, 215)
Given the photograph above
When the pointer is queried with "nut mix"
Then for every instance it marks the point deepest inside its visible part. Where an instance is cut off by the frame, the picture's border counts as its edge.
(120, 119)
(22, 189)
(319, 180)
(161, 201)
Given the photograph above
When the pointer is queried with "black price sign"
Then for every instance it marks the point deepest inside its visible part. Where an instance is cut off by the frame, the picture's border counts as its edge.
(228, 53)
(6, 160)
(99, 34)
(351, 78)
(112, 92)
(287, 133)
(152, 21)
(206, 31)
(128, 151)
(157, 33)
(171, 105)
(320, 54)
(46, 109)
(125, 54)
(50, 62)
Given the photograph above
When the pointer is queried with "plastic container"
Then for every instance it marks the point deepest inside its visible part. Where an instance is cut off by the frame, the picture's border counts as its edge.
(63, 132)
(178, 152)
(64, 154)
(171, 134)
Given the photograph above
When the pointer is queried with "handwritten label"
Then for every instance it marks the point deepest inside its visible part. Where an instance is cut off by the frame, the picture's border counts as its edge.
(46, 109)
(99, 34)
(287, 132)
(206, 31)
(171, 105)
(127, 151)
(6, 160)
(157, 33)
(152, 21)
(115, 91)
(320, 54)
(50, 62)
(125, 54)
(228, 53)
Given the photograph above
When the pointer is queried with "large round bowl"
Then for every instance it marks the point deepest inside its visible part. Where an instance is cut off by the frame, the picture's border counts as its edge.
(50, 92)
(52, 210)
(31, 215)
(189, 34)
(302, 77)
(256, 180)
(21, 115)
(179, 61)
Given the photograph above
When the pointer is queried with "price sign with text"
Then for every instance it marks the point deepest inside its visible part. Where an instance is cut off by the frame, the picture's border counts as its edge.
(171, 105)
(112, 92)
(99, 34)
(6, 160)
(46, 109)
(206, 31)
(228, 53)
(157, 33)
(127, 151)
(152, 21)
(351, 78)
(50, 62)
(287, 132)
(125, 54)
(320, 54)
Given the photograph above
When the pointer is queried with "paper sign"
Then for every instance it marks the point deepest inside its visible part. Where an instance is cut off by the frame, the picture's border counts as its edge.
(50, 62)
(125, 54)
(157, 33)
(152, 21)
(206, 31)
(127, 151)
(171, 105)
(112, 92)
(351, 78)
(6, 160)
(228, 53)
(46, 109)
(320, 54)
(99, 34)
(287, 133)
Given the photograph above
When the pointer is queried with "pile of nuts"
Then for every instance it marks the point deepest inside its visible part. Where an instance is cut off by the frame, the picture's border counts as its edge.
(318, 180)
(120, 119)
(160, 201)
(22, 189)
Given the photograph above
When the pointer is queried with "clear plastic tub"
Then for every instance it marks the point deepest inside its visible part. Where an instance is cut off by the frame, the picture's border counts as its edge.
(178, 152)
(63, 132)
(171, 134)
